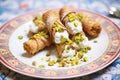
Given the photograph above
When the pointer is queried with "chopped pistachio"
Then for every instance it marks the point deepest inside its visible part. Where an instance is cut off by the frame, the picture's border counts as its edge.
(48, 59)
(75, 24)
(42, 58)
(42, 33)
(89, 48)
(73, 58)
(20, 37)
(78, 38)
(34, 63)
(54, 60)
(85, 50)
(60, 65)
(80, 55)
(71, 17)
(48, 53)
(85, 59)
(63, 40)
(69, 41)
(51, 63)
(41, 66)
(57, 27)
(74, 62)
(67, 50)
(65, 59)
(59, 60)
(77, 41)
(81, 16)
(60, 30)
(38, 17)
(38, 21)
(95, 41)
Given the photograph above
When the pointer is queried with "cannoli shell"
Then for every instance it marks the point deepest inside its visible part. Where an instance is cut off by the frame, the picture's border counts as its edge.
(91, 27)
(65, 11)
(60, 48)
(50, 17)
(35, 44)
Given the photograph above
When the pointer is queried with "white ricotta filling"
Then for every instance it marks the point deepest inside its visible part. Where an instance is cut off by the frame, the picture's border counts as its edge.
(83, 44)
(69, 53)
(74, 29)
(33, 28)
(59, 35)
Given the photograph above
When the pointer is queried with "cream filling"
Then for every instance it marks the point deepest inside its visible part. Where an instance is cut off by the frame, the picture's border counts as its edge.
(59, 35)
(33, 28)
(83, 44)
(74, 29)
(69, 53)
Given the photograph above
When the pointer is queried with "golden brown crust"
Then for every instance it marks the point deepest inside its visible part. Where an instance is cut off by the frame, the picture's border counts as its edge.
(35, 44)
(60, 48)
(50, 16)
(64, 11)
(91, 27)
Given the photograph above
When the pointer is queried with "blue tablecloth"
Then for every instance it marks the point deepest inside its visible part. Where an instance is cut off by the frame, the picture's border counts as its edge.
(12, 8)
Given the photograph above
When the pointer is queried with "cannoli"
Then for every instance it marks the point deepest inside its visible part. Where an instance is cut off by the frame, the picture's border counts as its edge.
(58, 33)
(70, 20)
(37, 42)
(90, 26)
(74, 26)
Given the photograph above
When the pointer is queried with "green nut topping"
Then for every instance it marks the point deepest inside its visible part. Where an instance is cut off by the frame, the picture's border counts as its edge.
(85, 59)
(66, 41)
(84, 50)
(34, 63)
(81, 16)
(52, 62)
(42, 33)
(67, 50)
(63, 40)
(80, 55)
(75, 24)
(95, 41)
(20, 37)
(59, 60)
(69, 41)
(71, 17)
(78, 38)
(57, 27)
(74, 61)
(41, 66)
(88, 47)
(38, 21)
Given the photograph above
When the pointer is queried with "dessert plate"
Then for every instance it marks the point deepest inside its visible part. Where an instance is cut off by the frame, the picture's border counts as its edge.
(13, 56)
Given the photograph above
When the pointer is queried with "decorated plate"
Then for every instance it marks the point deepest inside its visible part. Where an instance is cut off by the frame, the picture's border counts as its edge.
(13, 56)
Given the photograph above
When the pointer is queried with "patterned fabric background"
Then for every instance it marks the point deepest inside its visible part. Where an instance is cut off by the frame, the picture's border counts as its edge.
(12, 8)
